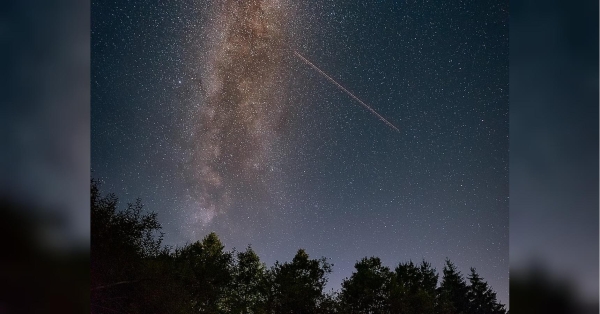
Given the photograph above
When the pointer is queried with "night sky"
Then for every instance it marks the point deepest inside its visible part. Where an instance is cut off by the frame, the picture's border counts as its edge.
(205, 112)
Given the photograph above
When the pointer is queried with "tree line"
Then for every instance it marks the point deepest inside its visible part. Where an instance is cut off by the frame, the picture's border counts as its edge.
(132, 272)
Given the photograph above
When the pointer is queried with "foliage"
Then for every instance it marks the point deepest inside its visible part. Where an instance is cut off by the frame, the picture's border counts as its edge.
(249, 289)
(482, 300)
(452, 295)
(298, 286)
(206, 270)
(368, 288)
(413, 288)
(125, 245)
(133, 273)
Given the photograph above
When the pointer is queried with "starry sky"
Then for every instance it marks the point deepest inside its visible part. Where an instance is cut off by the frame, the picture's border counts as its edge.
(204, 110)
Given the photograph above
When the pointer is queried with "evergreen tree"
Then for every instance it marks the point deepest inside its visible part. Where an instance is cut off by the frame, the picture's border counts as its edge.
(452, 296)
(133, 273)
(482, 300)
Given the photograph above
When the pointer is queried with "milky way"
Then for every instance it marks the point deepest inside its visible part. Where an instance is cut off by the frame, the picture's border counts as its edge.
(241, 105)
(202, 110)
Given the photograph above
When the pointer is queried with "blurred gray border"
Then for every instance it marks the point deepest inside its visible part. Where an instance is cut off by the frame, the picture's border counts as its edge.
(554, 143)
(554, 219)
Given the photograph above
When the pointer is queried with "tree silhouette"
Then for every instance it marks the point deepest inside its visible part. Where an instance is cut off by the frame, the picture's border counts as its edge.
(482, 300)
(413, 288)
(368, 288)
(133, 273)
(206, 271)
(122, 244)
(249, 292)
(298, 286)
(452, 294)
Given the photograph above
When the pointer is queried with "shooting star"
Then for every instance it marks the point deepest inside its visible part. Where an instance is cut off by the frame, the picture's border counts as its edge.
(346, 91)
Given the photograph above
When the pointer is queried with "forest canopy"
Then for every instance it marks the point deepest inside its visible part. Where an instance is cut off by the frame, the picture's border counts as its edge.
(133, 272)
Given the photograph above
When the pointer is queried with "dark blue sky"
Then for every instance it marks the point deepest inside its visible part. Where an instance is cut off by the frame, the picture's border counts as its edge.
(316, 170)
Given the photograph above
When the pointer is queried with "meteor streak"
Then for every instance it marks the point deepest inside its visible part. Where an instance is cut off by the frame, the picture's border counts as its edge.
(346, 91)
